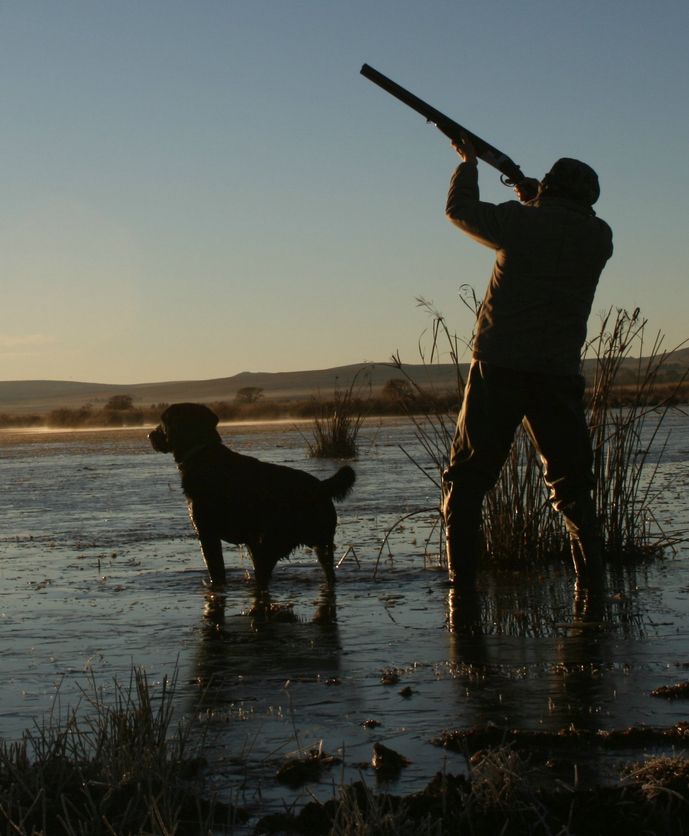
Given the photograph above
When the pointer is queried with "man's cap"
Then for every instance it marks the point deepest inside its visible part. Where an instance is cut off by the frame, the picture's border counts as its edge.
(574, 179)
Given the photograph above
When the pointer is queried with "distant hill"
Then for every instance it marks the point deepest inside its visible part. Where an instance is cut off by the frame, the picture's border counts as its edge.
(41, 396)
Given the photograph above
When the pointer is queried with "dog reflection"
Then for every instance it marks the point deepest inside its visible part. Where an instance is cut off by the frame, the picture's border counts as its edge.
(246, 656)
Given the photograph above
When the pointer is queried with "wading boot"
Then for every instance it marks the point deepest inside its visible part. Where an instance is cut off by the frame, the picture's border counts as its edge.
(585, 543)
(464, 612)
(462, 514)
(462, 559)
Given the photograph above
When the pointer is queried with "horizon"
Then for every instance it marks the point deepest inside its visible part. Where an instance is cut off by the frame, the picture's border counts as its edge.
(208, 379)
(632, 359)
(192, 190)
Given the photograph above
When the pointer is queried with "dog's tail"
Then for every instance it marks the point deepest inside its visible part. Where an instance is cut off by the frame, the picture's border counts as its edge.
(339, 485)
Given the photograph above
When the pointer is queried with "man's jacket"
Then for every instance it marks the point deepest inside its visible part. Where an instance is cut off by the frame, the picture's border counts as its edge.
(550, 254)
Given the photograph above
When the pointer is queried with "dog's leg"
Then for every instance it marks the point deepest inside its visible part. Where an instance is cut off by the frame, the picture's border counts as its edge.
(326, 612)
(264, 562)
(211, 547)
(326, 557)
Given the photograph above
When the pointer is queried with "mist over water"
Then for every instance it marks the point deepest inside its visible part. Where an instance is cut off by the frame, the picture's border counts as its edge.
(101, 570)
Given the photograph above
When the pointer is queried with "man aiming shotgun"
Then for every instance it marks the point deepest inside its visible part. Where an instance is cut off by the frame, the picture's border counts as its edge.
(526, 364)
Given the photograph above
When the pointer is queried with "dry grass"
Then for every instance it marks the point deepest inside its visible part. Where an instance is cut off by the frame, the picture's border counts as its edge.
(661, 778)
(109, 768)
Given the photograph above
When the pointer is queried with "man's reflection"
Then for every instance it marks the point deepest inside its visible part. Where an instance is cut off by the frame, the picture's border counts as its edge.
(536, 672)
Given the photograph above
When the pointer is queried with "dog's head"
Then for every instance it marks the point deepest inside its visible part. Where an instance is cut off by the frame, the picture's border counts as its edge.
(184, 426)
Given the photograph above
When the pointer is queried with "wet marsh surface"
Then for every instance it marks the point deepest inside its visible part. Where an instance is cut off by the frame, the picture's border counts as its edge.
(100, 571)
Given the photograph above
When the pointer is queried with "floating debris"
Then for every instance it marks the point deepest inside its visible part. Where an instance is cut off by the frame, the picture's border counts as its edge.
(305, 768)
(570, 737)
(680, 691)
(387, 762)
(660, 776)
(390, 677)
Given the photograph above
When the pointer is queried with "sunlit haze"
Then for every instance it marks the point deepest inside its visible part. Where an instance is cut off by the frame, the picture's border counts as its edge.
(195, 189)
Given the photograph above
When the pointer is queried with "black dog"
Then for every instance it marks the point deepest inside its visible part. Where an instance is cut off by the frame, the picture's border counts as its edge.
(270, 508)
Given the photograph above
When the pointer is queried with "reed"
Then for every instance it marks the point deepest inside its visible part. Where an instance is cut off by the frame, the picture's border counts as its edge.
(518, 523)
(625, 438)
(336, 426)
(434, 428)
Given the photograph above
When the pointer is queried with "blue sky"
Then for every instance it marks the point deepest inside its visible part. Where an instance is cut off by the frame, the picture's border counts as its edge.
(194, 189)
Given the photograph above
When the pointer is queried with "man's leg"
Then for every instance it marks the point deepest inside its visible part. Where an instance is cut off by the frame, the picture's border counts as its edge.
(556, 422)
(491, 411)
(585, 539)
(462, 513)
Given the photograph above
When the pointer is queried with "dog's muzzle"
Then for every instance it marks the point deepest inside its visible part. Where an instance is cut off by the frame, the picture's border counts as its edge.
(159, 440)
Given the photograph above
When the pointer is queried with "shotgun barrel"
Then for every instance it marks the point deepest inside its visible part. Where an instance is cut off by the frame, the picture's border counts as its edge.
(511, 174)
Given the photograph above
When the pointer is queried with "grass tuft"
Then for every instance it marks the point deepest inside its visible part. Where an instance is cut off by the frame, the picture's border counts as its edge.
(336, 427)
(110, 768)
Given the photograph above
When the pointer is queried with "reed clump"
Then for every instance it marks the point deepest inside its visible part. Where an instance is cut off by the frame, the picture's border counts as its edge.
(518, 523)
(336, 427)
(628, 441)
(110, 768)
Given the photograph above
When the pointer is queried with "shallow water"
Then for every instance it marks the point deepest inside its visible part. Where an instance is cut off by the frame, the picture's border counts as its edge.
(100, 570)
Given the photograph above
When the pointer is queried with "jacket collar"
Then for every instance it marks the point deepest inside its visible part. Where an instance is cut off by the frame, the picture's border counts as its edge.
(545, 201)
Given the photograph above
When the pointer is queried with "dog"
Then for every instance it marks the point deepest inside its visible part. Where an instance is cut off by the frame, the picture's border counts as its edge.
(272, 509)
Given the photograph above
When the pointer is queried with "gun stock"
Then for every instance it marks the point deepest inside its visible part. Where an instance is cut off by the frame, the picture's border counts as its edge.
(512, 175)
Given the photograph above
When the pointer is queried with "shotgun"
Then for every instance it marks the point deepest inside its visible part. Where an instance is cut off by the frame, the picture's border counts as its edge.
(510, 173)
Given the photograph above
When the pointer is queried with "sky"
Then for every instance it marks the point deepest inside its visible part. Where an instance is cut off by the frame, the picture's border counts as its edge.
(195, 189)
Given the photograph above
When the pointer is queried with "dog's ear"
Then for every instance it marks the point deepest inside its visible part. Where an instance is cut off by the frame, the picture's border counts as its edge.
(189, 413)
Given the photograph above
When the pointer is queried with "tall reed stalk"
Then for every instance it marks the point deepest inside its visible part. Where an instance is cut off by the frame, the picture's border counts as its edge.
(434, 429)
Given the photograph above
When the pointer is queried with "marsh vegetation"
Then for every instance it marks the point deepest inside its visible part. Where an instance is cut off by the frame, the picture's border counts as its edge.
(518, 525)
(336, 426)
(108, 767)
(123, 768)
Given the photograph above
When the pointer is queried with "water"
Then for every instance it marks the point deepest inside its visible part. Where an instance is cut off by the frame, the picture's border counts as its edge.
(100, 571)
